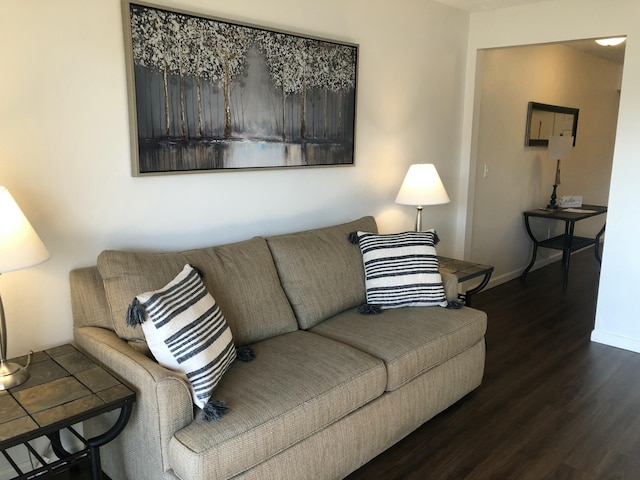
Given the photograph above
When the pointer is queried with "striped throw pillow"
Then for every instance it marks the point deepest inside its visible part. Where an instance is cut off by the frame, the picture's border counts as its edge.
(401, 270)
(187, 332)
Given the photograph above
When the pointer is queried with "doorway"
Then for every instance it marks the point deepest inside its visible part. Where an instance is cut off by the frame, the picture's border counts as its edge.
(511, 177)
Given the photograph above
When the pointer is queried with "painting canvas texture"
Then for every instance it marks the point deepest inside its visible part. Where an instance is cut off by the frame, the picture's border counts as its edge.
(209, 95)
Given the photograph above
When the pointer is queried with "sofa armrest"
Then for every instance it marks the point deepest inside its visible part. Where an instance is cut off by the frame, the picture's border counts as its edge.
(450, 282)
(163, 404)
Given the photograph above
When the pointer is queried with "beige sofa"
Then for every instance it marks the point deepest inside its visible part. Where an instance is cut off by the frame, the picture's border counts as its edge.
(329, 389)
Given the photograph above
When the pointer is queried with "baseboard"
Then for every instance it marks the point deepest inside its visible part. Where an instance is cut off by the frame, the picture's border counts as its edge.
(21, 456)
(26, 462)
(7, 471)
(552, 257)
(507, 277)
(618, 341)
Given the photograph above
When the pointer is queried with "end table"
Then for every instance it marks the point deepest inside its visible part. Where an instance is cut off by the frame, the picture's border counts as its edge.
(466, 271)
(65, 388)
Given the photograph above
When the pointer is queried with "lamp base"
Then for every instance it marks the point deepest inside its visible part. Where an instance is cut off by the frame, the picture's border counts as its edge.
(12, 375)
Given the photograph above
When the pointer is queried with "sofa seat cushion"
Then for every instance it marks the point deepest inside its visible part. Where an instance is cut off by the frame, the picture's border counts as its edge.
(298, 384)
(321, 270)
(409, 340)
(241, 277)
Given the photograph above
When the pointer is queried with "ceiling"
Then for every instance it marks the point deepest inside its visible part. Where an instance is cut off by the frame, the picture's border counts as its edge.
(613, 54)
(478, 5)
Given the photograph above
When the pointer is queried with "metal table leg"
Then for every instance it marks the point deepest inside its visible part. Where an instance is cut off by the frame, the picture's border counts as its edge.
(535, 248)
(473, 291)
(597, 245)
(96, 442)
(566, 252)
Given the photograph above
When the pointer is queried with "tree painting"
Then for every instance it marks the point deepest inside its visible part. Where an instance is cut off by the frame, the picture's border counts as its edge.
(214, 95)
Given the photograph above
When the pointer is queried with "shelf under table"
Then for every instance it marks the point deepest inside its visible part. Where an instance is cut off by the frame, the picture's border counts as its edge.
(557, 243)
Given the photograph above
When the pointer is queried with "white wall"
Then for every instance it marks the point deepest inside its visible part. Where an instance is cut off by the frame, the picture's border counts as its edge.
(520, 178)
(561, 20)
(64, 140)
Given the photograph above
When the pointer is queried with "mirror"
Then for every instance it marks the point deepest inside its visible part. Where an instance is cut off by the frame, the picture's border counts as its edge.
(544, 121)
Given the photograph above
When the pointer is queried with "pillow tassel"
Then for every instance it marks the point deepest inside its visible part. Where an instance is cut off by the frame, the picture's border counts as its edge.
(245, 354)
(353, 238)
(454, 305)
(135, 313)
(436, 238)
(214, 410)
(198, 271)
(367, 309)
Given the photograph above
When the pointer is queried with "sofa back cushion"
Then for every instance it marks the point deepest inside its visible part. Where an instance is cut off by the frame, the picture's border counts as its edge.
(321, 270)
(89, 304)
(241, 277)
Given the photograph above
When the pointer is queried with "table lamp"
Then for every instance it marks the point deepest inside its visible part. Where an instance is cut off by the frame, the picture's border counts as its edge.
(422, 186)
(20, 247)
(559, 149)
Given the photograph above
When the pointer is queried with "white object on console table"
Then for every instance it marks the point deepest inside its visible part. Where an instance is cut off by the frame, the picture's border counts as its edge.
(570, 201)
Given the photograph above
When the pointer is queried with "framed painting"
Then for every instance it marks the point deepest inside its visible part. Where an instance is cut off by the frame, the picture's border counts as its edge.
(212, 95)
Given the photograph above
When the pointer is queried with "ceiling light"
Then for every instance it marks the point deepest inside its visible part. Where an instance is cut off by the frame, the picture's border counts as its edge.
(610, 42)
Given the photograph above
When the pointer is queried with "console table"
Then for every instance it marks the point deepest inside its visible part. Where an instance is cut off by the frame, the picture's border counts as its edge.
(567, 242)
(65, 388)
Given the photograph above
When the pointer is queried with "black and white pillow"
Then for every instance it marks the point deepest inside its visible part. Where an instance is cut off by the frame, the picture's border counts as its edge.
(186, 332)
(401, 270)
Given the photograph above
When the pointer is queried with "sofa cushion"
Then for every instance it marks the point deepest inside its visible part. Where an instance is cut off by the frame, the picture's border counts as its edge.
(298, 384)
(410, 340)
(320, 270)
(240, 276)
(186, 332)
(401, 269)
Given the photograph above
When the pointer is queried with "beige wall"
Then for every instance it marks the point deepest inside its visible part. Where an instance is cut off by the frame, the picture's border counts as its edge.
(64, 140)
(520, 178)
(562, 20)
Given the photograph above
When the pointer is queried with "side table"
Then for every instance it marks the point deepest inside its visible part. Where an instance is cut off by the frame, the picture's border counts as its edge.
(65, 388)
(466, 271)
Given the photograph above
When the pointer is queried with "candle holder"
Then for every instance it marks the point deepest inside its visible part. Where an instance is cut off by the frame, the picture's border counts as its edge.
(552, 203)
(559, 148)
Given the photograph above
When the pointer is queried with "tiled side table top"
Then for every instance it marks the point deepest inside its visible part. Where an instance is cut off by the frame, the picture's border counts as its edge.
(65, 387)
(466, 271)
(462, 269)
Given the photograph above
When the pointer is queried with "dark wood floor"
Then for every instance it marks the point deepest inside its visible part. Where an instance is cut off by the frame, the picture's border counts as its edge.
(552, 405)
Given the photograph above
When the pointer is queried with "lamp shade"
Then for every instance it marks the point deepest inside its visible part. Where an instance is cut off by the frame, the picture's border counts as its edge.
(560, 147)
(422, 186)
(20, 245)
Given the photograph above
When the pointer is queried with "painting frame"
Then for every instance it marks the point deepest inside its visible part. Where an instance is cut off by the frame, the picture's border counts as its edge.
(550, 119)
(206, 94)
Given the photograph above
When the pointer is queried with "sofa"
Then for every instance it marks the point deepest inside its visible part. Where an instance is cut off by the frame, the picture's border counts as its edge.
(329, 387)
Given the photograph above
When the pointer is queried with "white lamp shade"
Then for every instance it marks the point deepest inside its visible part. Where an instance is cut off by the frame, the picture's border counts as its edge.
(422, 186)
(560, 147)
(20, 245)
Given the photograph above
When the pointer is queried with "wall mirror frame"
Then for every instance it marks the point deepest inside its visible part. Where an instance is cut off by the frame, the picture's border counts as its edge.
(545, 120)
